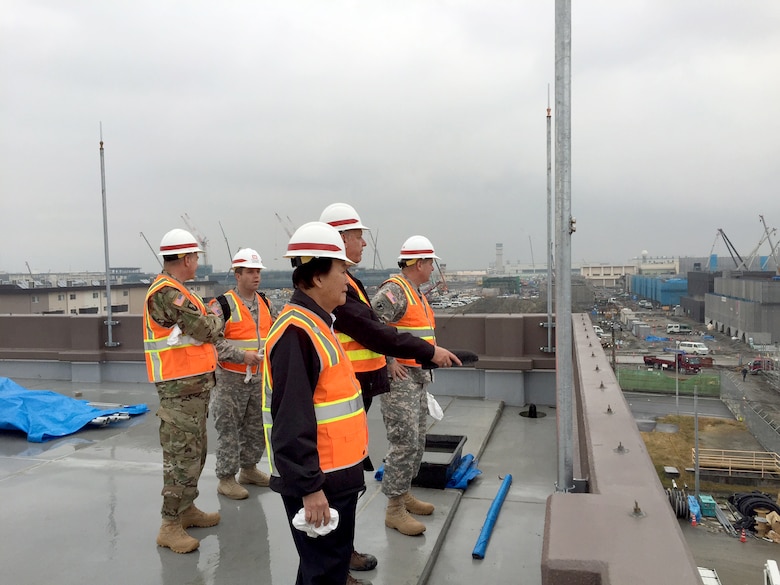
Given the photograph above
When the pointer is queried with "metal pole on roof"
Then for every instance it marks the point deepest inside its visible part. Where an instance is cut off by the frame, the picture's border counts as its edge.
(564, 225)
(109, 322)
(696, 437)
(549, 227)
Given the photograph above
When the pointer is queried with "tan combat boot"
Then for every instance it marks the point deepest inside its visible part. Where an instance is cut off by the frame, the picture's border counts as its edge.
(396, 516)
(254, 476)
(194, 517)
(173, 536)
(229, 488)
(415, 506)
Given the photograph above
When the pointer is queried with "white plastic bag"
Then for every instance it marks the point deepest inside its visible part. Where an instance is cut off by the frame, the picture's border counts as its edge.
(433, 407)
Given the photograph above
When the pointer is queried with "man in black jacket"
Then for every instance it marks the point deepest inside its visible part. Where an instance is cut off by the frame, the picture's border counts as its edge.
(366, 339)
(310, 396)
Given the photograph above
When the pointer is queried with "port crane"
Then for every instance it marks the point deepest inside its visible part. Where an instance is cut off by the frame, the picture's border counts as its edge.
(202, 240)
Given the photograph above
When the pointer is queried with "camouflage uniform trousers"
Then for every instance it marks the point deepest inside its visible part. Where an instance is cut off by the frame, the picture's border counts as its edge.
(238, 418)
(184, 446)
(405, 412)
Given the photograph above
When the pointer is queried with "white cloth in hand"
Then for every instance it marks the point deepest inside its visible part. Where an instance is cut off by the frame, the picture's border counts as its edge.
(434, 409)
(299, 522)
(248, 377)
(176, 338)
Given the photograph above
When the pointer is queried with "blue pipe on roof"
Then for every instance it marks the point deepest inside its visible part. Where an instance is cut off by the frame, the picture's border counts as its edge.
(490, 519)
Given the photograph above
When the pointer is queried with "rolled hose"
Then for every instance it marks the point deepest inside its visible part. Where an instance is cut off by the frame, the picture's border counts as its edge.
(490, 519)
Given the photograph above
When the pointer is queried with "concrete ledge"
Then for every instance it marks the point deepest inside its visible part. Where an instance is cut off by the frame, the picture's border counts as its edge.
(597, 537)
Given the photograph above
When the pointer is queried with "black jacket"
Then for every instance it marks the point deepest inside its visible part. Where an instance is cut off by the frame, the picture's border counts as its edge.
(360, 322)
(295, 368)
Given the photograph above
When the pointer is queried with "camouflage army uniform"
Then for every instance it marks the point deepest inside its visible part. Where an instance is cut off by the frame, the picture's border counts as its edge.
(237, 410)
(404, 408)
(183, 405)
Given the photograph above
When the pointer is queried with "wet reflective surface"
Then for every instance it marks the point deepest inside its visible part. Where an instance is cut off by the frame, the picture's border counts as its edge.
(86, 507)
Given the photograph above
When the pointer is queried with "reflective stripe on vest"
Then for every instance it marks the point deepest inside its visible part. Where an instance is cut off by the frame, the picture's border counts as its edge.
(172, 362)
(342, 433)
(362, 358)
(242, 332)
(418, 319)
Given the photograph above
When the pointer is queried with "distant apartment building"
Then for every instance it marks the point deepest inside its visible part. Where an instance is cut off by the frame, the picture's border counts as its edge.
(87, 299)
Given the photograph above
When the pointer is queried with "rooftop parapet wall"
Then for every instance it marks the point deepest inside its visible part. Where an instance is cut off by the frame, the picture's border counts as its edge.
(623, 530)
(502, 341)
(70, 338)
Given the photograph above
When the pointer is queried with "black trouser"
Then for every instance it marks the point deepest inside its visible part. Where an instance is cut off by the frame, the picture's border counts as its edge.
(324, 560)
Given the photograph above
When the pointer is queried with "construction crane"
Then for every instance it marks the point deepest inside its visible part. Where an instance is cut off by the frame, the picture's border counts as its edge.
(772, 248)
(440, 284)
(285, 226)
(156, 257)
(376, 250)
(729, 246)
(754, 253)
(202, 240)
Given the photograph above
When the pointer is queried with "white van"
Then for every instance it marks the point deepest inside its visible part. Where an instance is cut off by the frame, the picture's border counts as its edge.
(678, 328)
(694, 347)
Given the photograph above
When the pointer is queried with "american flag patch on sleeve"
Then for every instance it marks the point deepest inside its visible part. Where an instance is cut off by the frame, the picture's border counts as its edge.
(179, 300)
(390, 296)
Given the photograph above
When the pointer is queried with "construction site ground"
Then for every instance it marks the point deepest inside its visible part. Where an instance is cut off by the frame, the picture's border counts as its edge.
(737, 563)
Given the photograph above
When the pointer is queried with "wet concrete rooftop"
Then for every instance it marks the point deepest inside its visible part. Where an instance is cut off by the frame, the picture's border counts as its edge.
(87, 507)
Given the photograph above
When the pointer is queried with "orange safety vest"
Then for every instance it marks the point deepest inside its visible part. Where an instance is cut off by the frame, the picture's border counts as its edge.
(418, 319)
(362, 358)
(342, 431)
(172, 362)
(242, 332)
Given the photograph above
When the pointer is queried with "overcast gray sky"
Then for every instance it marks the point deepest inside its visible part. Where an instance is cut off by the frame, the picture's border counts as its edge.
(428, 116)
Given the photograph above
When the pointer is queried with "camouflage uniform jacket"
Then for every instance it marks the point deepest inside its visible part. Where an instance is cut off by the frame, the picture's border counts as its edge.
(163, 309)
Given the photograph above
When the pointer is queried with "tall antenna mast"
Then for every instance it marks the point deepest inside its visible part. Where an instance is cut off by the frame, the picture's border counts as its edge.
(109, 322)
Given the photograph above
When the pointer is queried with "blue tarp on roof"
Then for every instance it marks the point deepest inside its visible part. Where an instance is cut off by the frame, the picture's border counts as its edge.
(45, 415)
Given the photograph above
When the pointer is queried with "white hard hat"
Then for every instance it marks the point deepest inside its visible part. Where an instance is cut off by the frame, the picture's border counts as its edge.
(343, 217)
(247, 258)
(178, 241)
(317, 240)
(417, 247)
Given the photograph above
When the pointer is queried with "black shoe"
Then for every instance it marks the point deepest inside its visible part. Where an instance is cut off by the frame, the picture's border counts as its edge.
(362, 562)
(367, 465)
